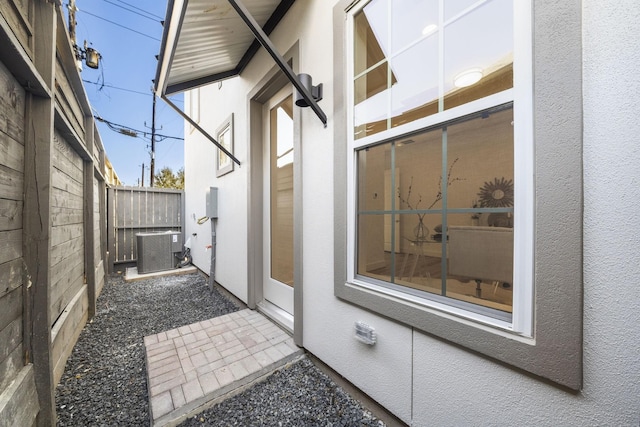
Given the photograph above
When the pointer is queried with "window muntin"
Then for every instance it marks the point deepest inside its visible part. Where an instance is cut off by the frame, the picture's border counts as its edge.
(460, 121)
(407, 59)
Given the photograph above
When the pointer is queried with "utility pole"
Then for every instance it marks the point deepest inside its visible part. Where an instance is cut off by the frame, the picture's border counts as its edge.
(142, 175)
(72, 21)
(153, 139)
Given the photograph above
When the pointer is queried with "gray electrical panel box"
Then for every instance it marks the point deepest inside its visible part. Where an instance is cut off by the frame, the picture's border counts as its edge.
(212, 202)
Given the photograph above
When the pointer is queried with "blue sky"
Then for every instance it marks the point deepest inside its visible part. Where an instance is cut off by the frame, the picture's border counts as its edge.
(127, 34)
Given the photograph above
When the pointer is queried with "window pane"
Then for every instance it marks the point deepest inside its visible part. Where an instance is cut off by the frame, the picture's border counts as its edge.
(480, 264)
(415, 87)
(408, 233)
(482, 150)
(371, 34)
(478, 44)
(373, 195)
(281, 233)
(411, 21)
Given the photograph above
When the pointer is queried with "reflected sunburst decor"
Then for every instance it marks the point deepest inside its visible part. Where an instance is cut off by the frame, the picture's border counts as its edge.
(496, 194)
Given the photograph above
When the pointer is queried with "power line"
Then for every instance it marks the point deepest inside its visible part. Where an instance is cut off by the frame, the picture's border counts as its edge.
(119, 25)
(132, 11)
(115, 87)
(135, 133)
(142, 10)
(123, 89)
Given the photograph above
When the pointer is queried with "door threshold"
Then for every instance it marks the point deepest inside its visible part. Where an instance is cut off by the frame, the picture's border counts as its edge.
(278, 315)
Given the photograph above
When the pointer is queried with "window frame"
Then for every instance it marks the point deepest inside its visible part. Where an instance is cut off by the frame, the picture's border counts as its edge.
(554, 348)
(223, 168)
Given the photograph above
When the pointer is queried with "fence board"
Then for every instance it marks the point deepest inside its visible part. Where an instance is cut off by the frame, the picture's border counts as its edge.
(10, 366)
(10, 245)
(66, 330)
(10, 276)
(63, 291)
(11, 153)
(140, 210)
(10, 215)
(62, 181)
(11, 305)
(10, 337)
(21, 407)
(12, 101)
(11, 183)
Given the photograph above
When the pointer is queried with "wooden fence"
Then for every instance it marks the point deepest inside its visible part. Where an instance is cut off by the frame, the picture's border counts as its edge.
(135, 210)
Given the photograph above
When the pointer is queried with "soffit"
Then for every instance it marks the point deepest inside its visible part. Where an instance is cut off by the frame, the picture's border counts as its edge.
(206, 40)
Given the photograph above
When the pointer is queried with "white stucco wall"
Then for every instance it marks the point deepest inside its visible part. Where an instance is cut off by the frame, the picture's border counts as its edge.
(416, 376)
(216, 104)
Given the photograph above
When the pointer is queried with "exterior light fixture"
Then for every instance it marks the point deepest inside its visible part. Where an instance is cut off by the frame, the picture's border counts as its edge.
(468, 77)
(315, 91)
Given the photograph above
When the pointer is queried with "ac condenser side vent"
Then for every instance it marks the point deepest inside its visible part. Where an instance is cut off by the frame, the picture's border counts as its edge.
(155, 251)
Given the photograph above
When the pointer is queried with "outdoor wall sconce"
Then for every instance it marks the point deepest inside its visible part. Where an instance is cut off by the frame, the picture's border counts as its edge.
(315, 91)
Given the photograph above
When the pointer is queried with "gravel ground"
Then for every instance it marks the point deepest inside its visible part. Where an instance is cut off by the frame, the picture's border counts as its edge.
(104, 382)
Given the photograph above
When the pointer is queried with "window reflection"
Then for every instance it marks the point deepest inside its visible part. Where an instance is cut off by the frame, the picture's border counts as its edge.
(406, 58)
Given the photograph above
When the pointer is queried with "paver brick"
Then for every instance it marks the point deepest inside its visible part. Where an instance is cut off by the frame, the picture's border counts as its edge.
(263, 358)
(186, 364)
(179, 342)
(196, 344)
(236, 356)
(184, 330)
(201, 335)
(167, 365)
(238, 370)
(251, 364)
(182, 352)
(161, 404)
(189, 338)
(284, 349)
(223, 375)
(209, 383)
(191, 375)
(167, 385)
(159, 347)
(173, 333)
(195, 327)
(273, 353)
(198, 360)
(192, 390)
(178, 397)
(212, 355)
(162, 336)
(259, 347)
(161, 356)
(230, 348)
(167, 376)
(151, 339)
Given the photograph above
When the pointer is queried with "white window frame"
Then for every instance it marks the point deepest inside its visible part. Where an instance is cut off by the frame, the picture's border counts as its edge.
(520, 95)
(554, 352)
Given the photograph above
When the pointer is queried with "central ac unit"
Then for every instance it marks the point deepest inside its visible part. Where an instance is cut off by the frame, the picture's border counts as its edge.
(156, 251)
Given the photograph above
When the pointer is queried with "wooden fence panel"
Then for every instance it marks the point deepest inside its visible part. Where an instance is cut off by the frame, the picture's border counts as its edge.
(134, 210)
(12, 151)
(67, 261)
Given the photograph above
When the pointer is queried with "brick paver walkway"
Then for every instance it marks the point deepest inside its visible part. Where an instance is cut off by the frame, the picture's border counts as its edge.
(190, 367)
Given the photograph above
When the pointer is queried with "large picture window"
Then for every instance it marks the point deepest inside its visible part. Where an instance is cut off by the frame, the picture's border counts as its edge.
(435, 157)
(463, 183)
